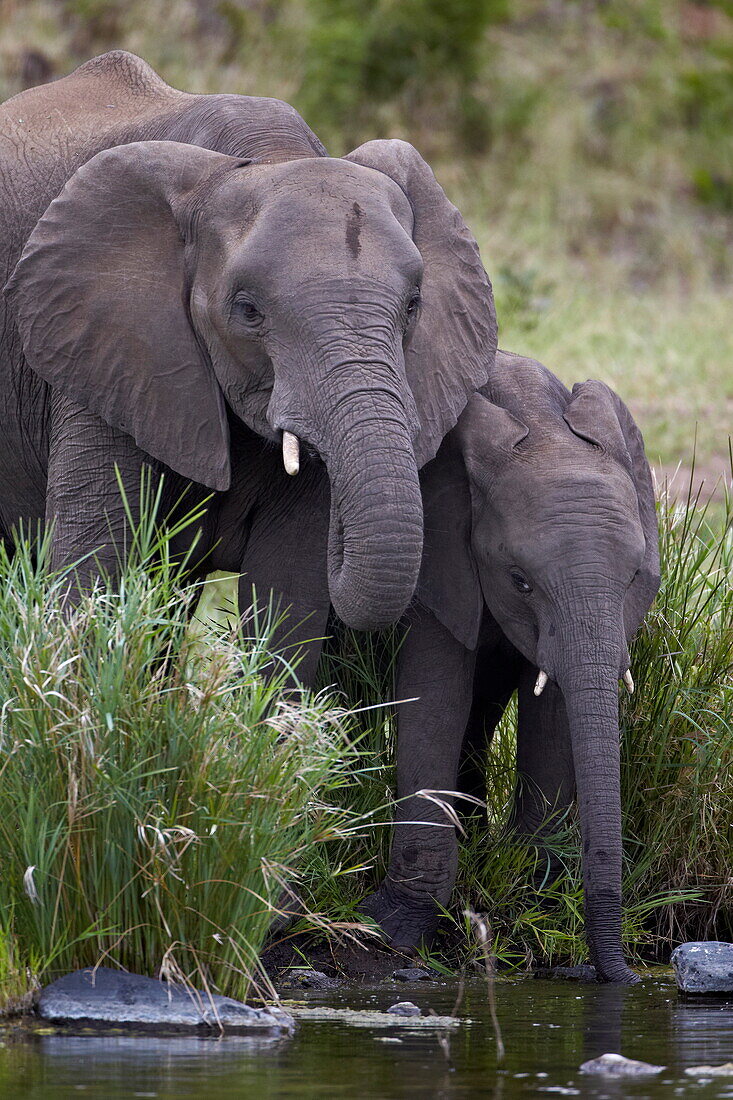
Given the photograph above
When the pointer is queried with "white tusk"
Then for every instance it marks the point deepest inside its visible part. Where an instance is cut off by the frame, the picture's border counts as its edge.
(291, 453)
(539, 686)
(628, 680)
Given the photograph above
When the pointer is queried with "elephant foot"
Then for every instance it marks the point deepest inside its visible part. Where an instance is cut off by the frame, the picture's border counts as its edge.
(407, 924)
(617, 974)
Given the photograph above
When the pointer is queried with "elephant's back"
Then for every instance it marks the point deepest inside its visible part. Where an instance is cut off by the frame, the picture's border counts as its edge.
(48, 132)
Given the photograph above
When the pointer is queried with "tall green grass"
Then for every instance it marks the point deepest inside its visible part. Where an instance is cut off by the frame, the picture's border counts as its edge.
(677, 780)
(678, 743)
(159, 798)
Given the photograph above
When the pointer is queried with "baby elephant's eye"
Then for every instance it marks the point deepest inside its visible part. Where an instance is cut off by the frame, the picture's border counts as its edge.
(520, 582)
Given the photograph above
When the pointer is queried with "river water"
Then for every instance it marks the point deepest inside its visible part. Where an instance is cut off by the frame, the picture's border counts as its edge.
(548, 1028)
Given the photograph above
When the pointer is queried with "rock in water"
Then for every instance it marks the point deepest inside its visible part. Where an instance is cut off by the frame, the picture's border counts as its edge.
(302, 977)
(704, 967)
(404, 1008)
(615, 1065)
(108, 996)
(412, 974)
(726, 1070)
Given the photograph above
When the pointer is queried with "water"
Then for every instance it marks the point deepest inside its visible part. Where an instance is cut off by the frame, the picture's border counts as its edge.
(549, 1028)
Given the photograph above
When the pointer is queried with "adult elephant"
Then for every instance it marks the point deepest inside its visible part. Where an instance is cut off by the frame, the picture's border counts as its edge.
(541, 559)
(188, 273)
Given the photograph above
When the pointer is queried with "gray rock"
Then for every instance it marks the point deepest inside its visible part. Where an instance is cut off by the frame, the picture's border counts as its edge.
(615, 1065)
(704, 967)
(726, 1070)
(305, 978)
(412, 974)
(404, 1008)
(114, 997)
(369, 1018)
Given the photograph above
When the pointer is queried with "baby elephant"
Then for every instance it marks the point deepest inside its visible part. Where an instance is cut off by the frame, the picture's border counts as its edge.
(541, 559)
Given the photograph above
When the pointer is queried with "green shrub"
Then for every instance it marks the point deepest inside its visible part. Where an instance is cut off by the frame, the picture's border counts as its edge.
(360, 55)
(706, 103)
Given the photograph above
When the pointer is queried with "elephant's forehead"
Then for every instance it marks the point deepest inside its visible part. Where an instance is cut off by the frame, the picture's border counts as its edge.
(561, 488)
(319, 185)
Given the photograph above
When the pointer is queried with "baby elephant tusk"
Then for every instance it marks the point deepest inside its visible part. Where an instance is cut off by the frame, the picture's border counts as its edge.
(539, 686)
(291, 453)
(628, 680)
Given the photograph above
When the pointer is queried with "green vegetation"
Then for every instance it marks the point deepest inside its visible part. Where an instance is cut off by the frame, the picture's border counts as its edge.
(362, 55)
(158, 800)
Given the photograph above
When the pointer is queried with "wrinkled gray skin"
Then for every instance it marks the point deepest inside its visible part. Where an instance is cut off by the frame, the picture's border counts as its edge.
(190, 274)
(541, 551)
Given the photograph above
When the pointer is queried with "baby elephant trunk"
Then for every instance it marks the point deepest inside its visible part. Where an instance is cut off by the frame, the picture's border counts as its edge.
(588, 675)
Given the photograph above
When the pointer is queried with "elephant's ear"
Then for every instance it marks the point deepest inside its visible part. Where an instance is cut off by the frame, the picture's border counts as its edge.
(449, 582)
(454, 343)
(100, 297)
(599, 415)
(486, 436)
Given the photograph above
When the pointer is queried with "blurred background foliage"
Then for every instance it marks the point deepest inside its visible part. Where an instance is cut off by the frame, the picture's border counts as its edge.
(587, 142)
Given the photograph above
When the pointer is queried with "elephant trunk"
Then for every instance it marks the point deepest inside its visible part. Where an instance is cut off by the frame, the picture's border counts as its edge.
(343, 390)
(376, 527)
(587, 674)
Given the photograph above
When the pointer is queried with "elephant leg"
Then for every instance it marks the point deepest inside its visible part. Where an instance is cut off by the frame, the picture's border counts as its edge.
(495, 680)
(83, 502)
(284, 568)
(437, 670)
(92, 521)
(545, 775)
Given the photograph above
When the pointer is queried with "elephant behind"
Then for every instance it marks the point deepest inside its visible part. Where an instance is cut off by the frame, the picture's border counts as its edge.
(191, 274)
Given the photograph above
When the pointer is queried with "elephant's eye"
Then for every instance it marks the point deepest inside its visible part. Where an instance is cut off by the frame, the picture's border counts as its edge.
(413, 305)
(520, 582)
(245, 310)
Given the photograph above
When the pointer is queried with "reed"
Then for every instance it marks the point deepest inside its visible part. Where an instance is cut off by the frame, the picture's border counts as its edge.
(159, 797)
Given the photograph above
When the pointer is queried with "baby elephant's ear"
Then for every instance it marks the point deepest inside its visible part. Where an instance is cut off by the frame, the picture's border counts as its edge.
(449, 584)
(592, 415)
(599, 415)
(487, 435)
(454, 343)
(100, 299)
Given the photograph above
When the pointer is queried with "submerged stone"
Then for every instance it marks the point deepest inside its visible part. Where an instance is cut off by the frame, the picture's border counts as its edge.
(371, 1018)
(107, 996)
(306, 978)
(615, 1065)
(705, 966)
(726, 1070)
(412, 974)
(404, 1008)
